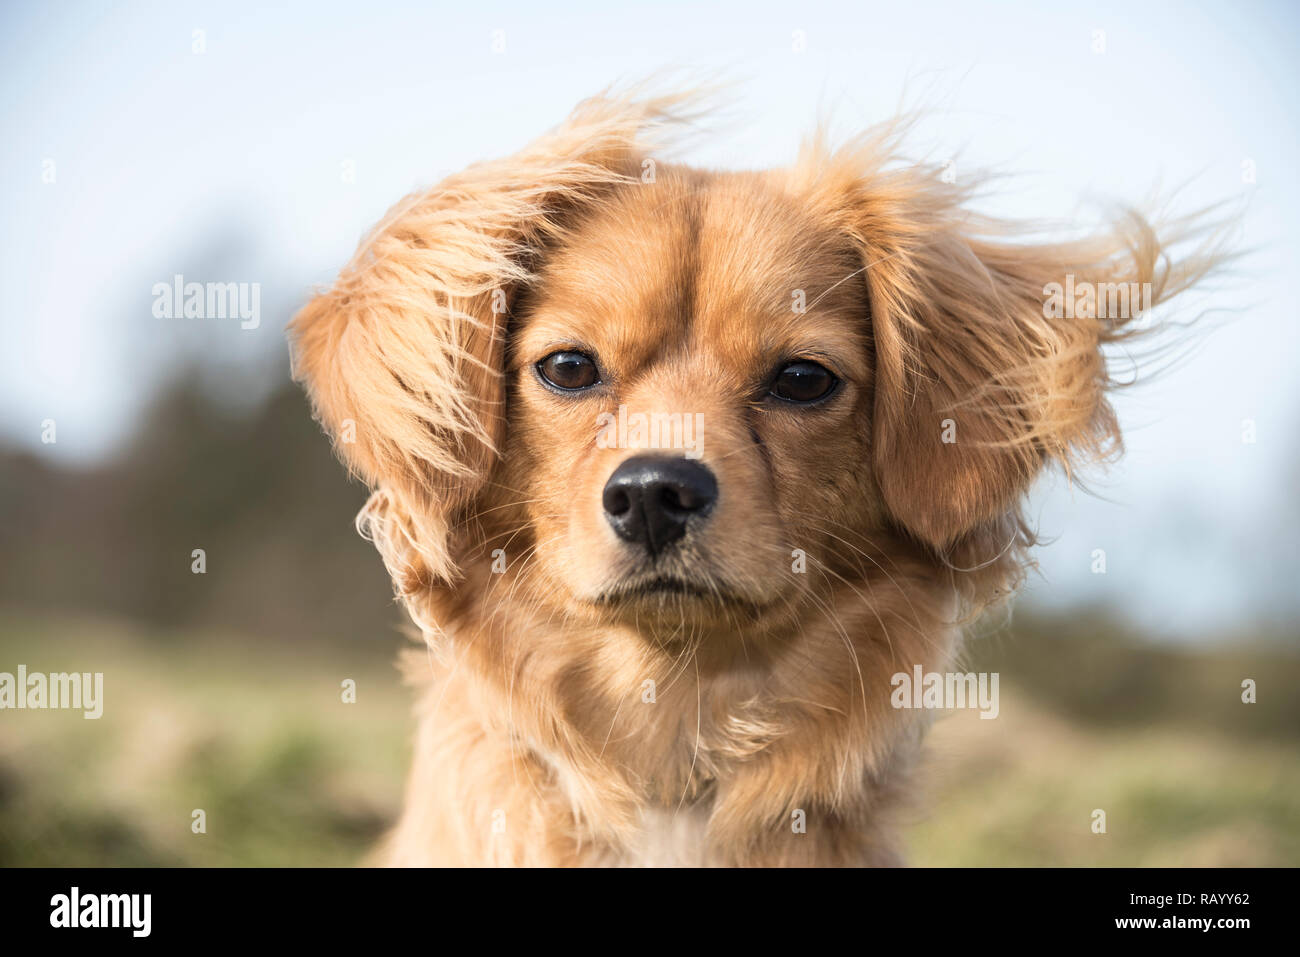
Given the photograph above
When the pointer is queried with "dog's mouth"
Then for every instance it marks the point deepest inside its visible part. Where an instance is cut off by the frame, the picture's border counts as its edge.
(664, 589)
(664, 585)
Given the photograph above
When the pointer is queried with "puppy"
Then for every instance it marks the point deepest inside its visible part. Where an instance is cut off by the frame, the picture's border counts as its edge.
(675, 469)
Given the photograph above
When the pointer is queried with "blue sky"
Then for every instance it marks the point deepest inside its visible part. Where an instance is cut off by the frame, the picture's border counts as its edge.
(166, 159)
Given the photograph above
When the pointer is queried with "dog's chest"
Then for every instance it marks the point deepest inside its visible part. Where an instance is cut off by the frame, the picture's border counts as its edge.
(670, 838)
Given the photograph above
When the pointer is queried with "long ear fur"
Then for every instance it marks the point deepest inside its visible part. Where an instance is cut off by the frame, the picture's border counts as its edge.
(403, 357)
(966, 348)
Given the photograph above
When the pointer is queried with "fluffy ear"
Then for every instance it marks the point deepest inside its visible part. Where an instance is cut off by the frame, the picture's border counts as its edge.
(988, 351)
(403, 356)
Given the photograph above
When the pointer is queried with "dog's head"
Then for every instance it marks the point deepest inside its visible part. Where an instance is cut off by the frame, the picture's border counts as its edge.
(666, 395)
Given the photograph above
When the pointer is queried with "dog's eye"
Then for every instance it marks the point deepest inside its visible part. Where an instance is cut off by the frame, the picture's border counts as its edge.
(570, 371)
(803, 382)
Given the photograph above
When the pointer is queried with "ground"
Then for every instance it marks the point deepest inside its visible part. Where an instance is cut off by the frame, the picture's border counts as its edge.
(258, 737)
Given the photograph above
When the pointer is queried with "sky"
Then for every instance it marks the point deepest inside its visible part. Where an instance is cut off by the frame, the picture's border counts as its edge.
(261, 141)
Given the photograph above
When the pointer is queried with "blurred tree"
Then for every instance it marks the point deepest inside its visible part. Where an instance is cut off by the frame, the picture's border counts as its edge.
(258, 490)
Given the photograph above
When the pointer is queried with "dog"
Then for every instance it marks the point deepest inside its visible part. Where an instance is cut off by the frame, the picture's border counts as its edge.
(675, 469)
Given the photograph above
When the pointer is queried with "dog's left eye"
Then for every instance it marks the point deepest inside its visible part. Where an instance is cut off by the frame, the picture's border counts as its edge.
(570, 371)
(803, 382)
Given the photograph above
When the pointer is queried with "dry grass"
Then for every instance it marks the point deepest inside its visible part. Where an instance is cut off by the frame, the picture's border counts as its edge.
(1021, 790)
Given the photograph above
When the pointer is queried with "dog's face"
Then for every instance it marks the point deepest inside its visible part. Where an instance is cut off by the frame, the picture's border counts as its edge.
(689, 401)
(697, 399)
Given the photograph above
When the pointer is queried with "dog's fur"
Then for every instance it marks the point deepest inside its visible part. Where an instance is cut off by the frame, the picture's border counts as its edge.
(541, 738)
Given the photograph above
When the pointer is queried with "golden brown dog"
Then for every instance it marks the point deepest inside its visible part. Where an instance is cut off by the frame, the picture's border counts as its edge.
(675, 469)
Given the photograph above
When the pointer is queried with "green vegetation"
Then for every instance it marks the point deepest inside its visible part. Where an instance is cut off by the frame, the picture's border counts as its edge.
(258, 737)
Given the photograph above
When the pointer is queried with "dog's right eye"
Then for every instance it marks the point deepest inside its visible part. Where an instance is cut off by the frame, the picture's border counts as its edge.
(570, 371)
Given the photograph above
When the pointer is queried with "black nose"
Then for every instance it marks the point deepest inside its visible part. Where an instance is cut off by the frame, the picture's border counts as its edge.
(649, 498)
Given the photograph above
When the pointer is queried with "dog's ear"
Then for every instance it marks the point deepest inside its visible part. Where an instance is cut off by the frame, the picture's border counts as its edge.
(975, 387)
(403, 356)
(984, 372)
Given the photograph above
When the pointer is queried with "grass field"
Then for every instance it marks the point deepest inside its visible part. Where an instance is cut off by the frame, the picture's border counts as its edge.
(257, 736)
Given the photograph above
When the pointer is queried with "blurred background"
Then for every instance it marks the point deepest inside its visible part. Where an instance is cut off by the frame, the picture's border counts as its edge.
(238, 143)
